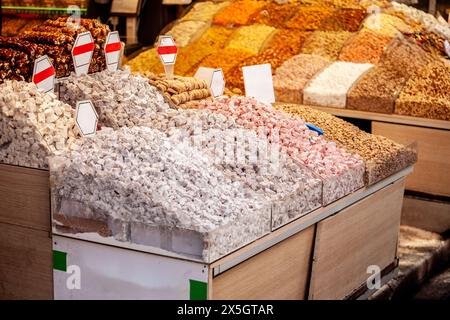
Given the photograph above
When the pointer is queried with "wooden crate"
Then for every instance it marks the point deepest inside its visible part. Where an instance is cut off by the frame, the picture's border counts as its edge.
(25, 242)
(432, 171)
(280, 272)
(357, 237)
(25, 197)
(426, 214)
(25, 263)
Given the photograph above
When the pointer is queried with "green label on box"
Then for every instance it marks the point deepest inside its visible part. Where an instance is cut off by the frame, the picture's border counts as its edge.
(198, 290)
(59, 260)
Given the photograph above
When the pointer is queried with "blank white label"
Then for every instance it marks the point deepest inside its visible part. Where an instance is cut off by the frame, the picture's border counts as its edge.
(258, 82)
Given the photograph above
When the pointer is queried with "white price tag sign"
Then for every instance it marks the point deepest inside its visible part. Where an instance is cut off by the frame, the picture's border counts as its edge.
(44, 74)
(258, 82)
(82, 53)
(214, 78)
(447, 47)
(113, 49)
(86, 118)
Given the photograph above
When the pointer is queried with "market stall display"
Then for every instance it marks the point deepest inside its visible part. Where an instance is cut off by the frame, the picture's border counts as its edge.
(378, 89)
(326, 44)
(190, 199)
(55, 39)
(291, 78)
(427, 93)
(382, 156)
(120, 98)
(364, 47)
(341, 172)
(329, 87)
(259, 32)
(180, 92)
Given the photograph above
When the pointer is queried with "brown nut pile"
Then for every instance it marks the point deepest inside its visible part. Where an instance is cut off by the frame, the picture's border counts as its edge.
(377, 90)
(180, 92)
(427, 93)
(326, 44)
(274, 14)
(383, 157)
(344, 19)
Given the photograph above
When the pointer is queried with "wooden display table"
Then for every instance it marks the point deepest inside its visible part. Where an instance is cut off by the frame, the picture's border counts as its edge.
(430, 182)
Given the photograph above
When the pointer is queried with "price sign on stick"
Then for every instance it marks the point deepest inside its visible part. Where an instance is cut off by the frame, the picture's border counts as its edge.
(214, 78)
(86, 118)
(44, 74)
(113, 49)
(82, 53)
(258, 82)
(167, 51)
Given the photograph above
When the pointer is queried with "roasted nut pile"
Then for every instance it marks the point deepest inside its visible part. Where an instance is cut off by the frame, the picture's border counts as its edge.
(250, 38)
(364, 47)
(330, 87)
(326, 44)
(398, 57)
(120, 98)
(427, 93)
(377, 90)
(180, 92)
(386, 24)
(309, 18)
(430, 42)
(383, 157)
(238, 13)
(293, 75)
(33, 125)
(344, 20)
(137, 182)
(185, 32)
(427, 20)
(274, 14)
(204, 11)
(341, 172)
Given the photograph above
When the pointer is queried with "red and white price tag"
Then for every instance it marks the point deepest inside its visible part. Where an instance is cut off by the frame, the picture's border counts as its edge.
(167, 50)
(82, 52)
(112, 51)
(44, 74)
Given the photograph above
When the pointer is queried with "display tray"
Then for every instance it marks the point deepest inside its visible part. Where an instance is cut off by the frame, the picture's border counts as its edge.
(26, 214)
(296, 261)
(432, 170)
(245, 251)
